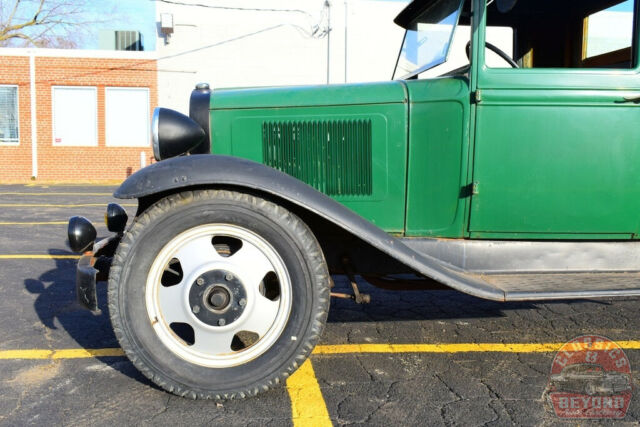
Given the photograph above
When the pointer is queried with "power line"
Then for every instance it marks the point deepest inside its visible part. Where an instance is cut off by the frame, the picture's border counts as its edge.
(180, 3)
(315, 30)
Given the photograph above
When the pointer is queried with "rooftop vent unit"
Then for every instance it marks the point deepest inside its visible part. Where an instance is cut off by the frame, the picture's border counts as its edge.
(121, 40)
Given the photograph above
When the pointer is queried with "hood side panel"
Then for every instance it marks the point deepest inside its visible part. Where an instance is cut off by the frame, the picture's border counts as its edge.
(355, 153)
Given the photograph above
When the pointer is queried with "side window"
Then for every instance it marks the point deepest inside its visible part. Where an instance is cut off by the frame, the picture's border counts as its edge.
(566, 33)
(502, 38)
(9, 132)
(75, 116)
(127, 117)
(608, 37)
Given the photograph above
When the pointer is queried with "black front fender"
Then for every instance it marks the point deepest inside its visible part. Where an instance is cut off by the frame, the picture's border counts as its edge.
(178, 173)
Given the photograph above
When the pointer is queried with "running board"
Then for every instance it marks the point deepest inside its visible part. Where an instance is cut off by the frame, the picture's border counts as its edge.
(554, 286)
(525, 271)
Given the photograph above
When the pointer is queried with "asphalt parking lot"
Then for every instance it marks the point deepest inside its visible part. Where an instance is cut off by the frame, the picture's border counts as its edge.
(408, 358)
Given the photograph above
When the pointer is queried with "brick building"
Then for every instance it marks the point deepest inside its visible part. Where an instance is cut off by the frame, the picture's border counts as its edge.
(88, 113)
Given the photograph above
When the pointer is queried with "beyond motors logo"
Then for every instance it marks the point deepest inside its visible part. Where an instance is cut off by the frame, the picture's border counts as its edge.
(590, 378)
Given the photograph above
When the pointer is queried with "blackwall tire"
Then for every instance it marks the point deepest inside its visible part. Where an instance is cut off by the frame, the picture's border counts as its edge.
(284, 314)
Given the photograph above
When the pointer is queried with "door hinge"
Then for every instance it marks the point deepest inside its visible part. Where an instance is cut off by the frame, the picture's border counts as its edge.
(474, 189)
(476, 97)
(469, 190)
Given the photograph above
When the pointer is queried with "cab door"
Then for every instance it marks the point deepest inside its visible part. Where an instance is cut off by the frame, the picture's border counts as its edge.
(557, 142)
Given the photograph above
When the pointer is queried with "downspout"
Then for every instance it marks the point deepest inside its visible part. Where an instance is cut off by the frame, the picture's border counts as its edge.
(346, 14)
(327, 4)
(34, 130)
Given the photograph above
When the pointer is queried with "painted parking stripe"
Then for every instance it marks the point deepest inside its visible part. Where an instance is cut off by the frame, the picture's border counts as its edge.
(47, 205)
(35, 223)
(25, 256)
(73, 353)
(333, 349)
(53, 184)
(9, 193)
(453, 348)
(308, 407)
(307, 404)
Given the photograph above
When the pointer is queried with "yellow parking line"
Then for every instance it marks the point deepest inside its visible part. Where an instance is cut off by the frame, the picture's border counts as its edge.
(334, 349)
(24, 256)
(36, 223)
(53, 194)
(307, 404)
(453, 348)
(76, 183)
(44, 205)
(75, 353)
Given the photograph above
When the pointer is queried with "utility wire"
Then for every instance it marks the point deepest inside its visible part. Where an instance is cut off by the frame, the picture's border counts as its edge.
(180, 3)
(315, 30)
(219, 43)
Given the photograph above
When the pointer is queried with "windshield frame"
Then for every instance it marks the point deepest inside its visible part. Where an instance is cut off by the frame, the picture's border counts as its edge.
(426, 67)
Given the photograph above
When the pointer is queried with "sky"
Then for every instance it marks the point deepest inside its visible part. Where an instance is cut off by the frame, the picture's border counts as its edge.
(139, 15)
(627, 6)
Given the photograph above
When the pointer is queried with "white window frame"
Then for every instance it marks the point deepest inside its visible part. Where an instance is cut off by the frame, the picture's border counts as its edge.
(147, 115)
(53, 116)
(16, 143)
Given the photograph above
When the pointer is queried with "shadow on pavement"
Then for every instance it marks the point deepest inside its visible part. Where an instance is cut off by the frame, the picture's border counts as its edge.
(387, 305)
(56, 300)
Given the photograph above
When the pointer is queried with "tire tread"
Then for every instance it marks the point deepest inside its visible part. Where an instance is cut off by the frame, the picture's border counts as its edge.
(311, 249)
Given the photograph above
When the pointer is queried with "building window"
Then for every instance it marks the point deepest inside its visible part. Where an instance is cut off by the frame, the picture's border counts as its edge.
(75, 116)
(127, 117)
(9, 118)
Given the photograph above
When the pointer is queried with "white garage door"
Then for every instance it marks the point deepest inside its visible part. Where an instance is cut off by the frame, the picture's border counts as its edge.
(127, 117)
(75, 118)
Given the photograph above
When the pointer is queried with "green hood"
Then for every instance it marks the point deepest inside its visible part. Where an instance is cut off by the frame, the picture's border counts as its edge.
(309, 96)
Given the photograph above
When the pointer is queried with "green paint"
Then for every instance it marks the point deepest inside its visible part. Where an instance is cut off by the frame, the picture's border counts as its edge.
(238, 119)
(438, 151)
(553, 153)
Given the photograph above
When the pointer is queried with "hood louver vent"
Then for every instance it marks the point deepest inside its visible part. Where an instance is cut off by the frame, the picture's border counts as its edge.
(332, 156)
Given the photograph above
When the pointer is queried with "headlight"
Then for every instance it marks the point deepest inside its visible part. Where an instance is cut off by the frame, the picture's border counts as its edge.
(81, 234)
(174, 133)
(115, 218)
(199, 104)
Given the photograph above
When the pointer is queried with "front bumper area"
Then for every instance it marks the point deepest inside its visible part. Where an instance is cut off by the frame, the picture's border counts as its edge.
(93, 267)
(86, 292)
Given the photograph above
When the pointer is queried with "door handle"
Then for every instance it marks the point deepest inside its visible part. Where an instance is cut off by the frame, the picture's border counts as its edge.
(634, 98)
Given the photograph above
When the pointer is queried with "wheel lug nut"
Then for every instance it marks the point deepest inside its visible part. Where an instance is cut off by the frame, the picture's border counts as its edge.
(195, 309)
(200, 281)
(222, 322)
(228, 277)
(242, 302)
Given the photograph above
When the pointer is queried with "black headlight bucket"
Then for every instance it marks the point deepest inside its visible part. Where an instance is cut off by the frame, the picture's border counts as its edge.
(115, 218)
(174, 134)
(81, 234)
(199, 104)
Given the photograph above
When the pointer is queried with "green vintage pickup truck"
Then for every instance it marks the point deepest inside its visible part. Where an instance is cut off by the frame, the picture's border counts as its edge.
(515, 181)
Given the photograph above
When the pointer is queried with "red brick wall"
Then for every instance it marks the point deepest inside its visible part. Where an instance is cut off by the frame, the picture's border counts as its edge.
(15, 161)
(69, 164)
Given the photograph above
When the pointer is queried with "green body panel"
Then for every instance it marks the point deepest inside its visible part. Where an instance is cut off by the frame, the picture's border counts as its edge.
(438, 152)
(556, 153)
(567, 162)
(540, 154)
(308, 96)
(243, 123)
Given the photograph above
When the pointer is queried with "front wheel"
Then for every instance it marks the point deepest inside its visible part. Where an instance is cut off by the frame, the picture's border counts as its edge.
(218, 294)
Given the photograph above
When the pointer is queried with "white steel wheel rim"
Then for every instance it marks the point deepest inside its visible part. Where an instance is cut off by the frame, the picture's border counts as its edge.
(197, 255)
